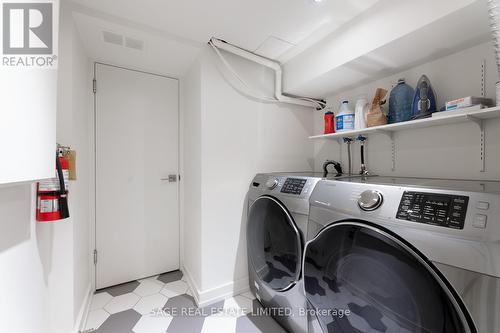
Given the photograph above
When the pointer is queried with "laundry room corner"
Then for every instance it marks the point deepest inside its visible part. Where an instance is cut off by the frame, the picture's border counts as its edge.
(49, 265)
(239, 137)
(253, 166)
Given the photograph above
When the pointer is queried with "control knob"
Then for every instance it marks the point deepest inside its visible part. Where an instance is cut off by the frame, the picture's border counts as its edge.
(370, 200)
(271, 183)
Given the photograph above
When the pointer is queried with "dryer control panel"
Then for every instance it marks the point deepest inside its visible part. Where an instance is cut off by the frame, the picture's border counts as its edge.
(293, 186)
(436, 209)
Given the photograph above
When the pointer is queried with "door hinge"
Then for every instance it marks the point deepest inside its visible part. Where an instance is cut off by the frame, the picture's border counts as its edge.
(95, 257)
(94, 85)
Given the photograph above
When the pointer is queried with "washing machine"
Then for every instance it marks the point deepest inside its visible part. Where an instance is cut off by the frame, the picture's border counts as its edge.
(403, 255)
(277, 229)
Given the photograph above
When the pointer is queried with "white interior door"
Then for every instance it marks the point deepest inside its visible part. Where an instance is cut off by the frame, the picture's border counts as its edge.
(137, 218)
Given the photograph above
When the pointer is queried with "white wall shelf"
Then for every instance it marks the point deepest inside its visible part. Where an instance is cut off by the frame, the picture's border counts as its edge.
(454, 117)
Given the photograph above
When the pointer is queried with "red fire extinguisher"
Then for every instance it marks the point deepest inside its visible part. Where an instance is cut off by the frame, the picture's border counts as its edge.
(52, 201)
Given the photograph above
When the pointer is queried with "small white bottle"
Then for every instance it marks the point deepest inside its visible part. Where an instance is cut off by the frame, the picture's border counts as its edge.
(344, 121)
(360, 112)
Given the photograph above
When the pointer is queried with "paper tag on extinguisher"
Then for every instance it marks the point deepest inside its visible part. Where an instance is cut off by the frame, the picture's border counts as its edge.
(70, 156)
(52, 184)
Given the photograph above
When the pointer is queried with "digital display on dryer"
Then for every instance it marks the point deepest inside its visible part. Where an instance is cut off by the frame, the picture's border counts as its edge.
(437, 209)
(293, 186)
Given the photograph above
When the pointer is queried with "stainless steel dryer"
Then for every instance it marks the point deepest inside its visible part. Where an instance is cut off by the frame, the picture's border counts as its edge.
(404, 255)
(276, 232)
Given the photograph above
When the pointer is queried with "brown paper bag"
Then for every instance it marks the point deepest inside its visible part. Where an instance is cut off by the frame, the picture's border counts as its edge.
(375, 116)
(70, 156)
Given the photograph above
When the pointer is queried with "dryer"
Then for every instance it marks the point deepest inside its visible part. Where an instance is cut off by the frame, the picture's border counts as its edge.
(403, 255)
(277, 229)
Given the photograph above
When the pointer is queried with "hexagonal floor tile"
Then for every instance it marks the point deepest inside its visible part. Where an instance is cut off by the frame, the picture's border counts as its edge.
(100, 300)
(214, 308)
(173, 289)
(149, 303)
(153, 279)
(256, 324)
(248, 295)
(152, 324)
(219, 324)
(184, 322)
(120, 289)
(122, 303)
(96, 318)
(179, 302)
(121, 322)
(170, 276)
(238, 306)
(147, 288)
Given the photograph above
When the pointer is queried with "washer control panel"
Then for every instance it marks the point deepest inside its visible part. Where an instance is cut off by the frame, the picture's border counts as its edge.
(293, 186)
(436, 209)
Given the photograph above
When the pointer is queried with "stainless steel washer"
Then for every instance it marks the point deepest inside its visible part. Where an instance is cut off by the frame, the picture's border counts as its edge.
(276, 232)
(403, 255)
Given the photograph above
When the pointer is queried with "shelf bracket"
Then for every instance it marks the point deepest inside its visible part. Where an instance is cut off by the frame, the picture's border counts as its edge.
(480, 123)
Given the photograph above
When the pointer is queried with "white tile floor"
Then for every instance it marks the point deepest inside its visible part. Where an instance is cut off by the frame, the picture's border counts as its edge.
(163, 304)
(122, 303)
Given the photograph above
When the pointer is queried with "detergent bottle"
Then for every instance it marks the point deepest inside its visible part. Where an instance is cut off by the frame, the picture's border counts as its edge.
(345, 118)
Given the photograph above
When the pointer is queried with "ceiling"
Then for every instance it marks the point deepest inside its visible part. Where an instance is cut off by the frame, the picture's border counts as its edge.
(174, 32)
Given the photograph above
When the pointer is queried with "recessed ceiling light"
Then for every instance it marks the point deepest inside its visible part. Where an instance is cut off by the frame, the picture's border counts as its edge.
(317, 0)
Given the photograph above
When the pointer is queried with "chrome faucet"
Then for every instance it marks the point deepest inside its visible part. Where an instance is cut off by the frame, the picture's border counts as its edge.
(336, 165)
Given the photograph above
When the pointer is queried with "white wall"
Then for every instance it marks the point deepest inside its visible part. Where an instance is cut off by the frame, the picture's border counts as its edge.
(238, 138)
(446, 151)
(23, 282)
(74, 130)
(45, 268)
(28, 113)
(190, 166)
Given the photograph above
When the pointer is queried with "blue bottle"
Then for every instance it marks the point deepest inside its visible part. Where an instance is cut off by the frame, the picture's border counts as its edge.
(400, 102)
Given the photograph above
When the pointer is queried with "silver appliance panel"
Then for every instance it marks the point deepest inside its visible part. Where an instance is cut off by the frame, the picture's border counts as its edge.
(469, 258)
(297, 205)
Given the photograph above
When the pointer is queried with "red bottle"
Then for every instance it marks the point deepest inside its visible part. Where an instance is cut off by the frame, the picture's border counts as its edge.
(329, 122)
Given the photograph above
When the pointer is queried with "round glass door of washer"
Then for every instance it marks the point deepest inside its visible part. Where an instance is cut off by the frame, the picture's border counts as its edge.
(360, 278)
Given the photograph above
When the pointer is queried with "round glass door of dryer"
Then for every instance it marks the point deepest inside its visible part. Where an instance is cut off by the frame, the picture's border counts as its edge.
(274, 243)
(360, 278)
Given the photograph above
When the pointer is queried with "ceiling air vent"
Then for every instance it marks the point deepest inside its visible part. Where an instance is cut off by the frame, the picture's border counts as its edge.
(111, 37)
(134, 43)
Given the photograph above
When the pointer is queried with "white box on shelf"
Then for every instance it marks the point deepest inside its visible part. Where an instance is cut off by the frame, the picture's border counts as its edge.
(457, 111)
(468, 101)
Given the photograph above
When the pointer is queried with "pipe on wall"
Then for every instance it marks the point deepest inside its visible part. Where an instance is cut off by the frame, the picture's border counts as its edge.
(278, 73)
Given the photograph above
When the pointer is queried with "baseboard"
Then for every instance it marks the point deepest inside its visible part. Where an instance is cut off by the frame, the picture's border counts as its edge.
(191, 284)
(84, 312)
(223, 291)
(219, 293)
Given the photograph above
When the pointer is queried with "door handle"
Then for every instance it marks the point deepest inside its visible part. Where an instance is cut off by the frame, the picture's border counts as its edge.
(171, 178)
